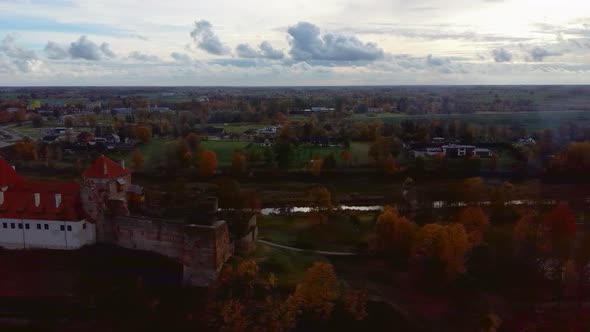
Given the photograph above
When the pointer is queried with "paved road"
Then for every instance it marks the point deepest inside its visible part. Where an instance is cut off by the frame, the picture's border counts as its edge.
(320, 252)
(6, 130)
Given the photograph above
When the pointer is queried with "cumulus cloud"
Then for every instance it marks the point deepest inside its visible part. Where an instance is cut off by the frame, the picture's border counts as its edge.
(207, 40)
(106, 50)
(55, 51)
(538, 54)
(265, 51)
(307, 43)
(180, 57)
(501, 55)
(23, 59)
(144, 57)
(83, 48)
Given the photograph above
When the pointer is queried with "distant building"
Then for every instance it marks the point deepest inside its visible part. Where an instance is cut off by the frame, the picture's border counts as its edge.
(122, 111)
(454, 150)
(318, 109)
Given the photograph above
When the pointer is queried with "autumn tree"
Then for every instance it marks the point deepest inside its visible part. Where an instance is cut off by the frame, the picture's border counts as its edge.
(143, 134)
(558, 233)
(316, 295)
(394, 234)
(239, 162)
(355, 302)
(473, 190)
(316, 165)
(207, 163)
(26, 149)
(475, 222)
(137, 160)
(346, 157)
(389, 165)
(193, 140)
(442, 249)
(320, 199)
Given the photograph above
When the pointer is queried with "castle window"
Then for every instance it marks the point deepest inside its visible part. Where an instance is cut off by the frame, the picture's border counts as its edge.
(38, 226)
(4, 225)
(69, 228)
(84, 226)
(12, 225)
(46, 227)
(62, 228)
(27, 226)
(20, 226)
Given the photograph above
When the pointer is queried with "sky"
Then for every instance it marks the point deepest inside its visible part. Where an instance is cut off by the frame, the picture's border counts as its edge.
(293, 43)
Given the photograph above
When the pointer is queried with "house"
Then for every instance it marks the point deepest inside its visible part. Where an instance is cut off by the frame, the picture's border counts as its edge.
(427, 152)
(454, 150)
(45, 214)
(212, 131)
(526, 141)
(267, 130)
(483, 153)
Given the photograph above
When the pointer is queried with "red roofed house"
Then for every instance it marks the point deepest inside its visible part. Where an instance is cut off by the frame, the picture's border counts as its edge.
(57, 214)
(41, 214)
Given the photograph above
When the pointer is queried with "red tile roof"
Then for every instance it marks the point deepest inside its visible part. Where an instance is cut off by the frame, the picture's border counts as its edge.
(8, 176)
(104, 168)
(17, 200)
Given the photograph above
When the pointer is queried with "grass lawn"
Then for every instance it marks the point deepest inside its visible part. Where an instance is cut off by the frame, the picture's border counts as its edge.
(338, 233)
(224, 149)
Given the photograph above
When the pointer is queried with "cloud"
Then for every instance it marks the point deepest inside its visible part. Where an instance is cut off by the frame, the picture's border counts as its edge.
(308, 44)
(207, 40)
(83, 48)
(501, 55)
(106, 50)
(266, 51)
(180, 57)
(436, 61)
(538, 54)
(23, 59)
(143, 57)
(55, 51)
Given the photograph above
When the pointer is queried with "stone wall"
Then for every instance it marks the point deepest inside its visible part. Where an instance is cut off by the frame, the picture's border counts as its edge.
(201, 249)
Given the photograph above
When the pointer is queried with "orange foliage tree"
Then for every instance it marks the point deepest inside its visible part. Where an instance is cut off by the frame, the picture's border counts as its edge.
(239, 162)
(207, 163)
(389, 165)
(137, 160)
(475, 222)
(346, 156)
(316, 166)
(26, 149)
(355, 303)
(317, 293)
(443, 247)
(394, 234)
(143, 134)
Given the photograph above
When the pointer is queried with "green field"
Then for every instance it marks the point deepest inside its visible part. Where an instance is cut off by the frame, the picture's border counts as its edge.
(533, 121)
(338, 233)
